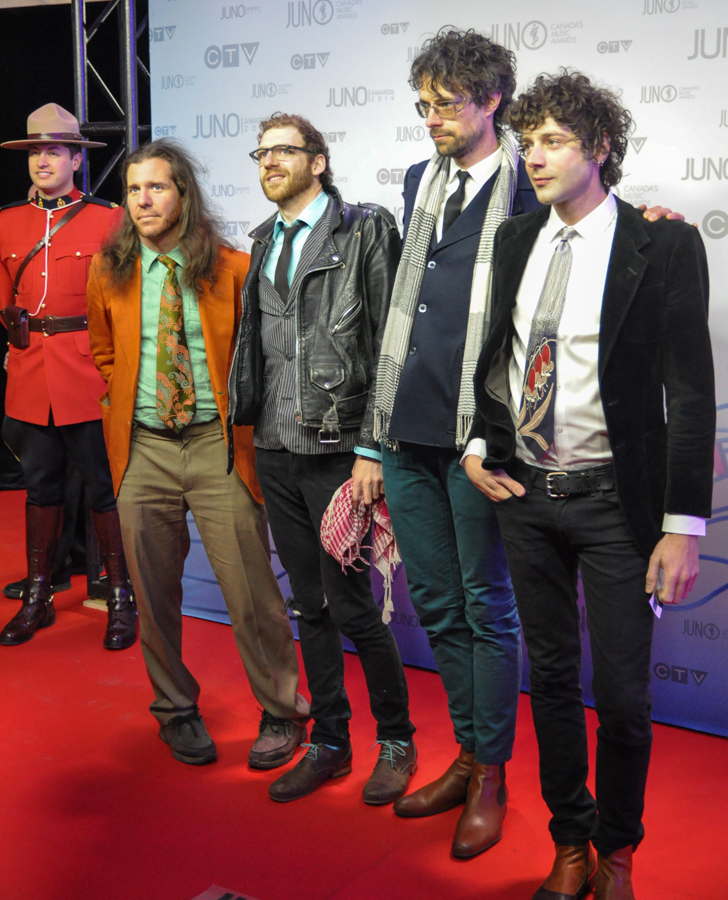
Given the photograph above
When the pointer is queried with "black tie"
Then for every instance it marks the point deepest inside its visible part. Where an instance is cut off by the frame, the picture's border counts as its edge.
(284, 260)
(454, 204)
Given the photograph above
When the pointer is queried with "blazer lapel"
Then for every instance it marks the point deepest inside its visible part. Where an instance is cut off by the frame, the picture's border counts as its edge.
(127, 316)
(470, 220)
(217, 315)
(512, 257)
(626, 268)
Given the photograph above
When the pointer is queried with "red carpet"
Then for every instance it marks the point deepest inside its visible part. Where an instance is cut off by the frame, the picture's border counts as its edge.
(93, 807)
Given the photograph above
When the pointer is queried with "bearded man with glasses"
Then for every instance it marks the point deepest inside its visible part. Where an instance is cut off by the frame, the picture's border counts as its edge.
(314, 306)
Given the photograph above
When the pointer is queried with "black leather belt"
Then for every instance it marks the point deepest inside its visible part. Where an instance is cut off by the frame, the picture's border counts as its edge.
(56, 324)
(559, 485)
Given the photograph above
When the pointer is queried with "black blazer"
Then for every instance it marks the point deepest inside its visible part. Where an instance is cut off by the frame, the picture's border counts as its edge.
(654, 351)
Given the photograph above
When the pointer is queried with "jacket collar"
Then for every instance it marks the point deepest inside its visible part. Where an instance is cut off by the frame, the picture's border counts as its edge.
(264, 232)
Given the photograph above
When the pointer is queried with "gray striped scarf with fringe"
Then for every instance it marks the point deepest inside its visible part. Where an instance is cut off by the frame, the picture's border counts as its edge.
(408, 282)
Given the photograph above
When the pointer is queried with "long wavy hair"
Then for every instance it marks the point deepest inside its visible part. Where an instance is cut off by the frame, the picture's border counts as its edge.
(201, 232)
(590, 111)
(470, 62)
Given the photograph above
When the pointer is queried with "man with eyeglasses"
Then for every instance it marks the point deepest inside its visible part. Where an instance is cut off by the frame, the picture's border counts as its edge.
(446, 529)
(314, 306)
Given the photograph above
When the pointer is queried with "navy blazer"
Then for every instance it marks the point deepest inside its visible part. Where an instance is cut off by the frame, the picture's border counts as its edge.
(654, 349)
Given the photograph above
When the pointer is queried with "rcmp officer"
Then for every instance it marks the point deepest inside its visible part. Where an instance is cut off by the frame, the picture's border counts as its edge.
(52, 405)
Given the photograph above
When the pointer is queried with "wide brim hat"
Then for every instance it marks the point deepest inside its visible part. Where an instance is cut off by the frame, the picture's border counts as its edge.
(52, 124)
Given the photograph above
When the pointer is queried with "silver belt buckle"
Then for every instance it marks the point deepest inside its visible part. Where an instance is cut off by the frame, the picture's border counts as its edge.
(332, 437)
(549, 486)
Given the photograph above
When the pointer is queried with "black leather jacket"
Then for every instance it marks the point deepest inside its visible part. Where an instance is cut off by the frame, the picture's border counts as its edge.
(340, 314)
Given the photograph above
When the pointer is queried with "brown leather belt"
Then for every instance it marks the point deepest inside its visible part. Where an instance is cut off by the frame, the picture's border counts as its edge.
(49, 325)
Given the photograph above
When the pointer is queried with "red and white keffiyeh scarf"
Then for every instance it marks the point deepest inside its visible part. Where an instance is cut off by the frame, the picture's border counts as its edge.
(343, 528)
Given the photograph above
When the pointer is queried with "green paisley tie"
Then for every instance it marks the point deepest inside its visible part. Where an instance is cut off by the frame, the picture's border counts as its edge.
(175, 384)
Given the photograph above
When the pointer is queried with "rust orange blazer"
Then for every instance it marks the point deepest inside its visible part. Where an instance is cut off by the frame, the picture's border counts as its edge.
(115, 325)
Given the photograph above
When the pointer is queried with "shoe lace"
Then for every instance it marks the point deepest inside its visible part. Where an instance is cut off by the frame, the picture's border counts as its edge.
(192, 719)
(268, 720)
(388, 750)
(308, 750)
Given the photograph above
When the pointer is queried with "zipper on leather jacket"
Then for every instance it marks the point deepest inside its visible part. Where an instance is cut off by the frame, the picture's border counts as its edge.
(338, 264)
(346, 316)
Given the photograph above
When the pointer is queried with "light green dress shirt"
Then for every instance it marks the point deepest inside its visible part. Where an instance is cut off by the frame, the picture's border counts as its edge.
(153, 275)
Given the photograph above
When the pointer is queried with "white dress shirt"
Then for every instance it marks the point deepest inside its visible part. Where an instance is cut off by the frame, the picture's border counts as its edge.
(479, 173)
(580, 429)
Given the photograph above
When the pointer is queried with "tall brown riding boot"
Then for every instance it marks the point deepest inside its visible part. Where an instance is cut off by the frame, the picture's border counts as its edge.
(446, 792)
(481, 824)
(121, 629)
(42, 531)
(572, 874)
(614, 876)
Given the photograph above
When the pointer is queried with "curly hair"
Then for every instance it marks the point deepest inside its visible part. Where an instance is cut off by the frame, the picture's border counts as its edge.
(312, 139)
(591, 112)
(469, 62)
(201, 233)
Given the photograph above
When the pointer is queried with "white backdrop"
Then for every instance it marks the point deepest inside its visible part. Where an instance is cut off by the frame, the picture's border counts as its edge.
(218, 69)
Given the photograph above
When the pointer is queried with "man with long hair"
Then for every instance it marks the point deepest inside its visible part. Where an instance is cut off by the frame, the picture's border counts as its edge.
(596, 422)
(315, 302)
(164, 305)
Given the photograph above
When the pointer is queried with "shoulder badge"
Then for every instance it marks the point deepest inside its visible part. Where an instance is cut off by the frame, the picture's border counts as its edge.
(17, 203)
(97, 201)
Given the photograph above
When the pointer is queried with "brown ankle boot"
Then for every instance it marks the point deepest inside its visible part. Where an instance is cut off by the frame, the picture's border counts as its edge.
(614, 876)
(121, 629)
(446, 792)
(571, 876)
(42, 532)
(481, 824)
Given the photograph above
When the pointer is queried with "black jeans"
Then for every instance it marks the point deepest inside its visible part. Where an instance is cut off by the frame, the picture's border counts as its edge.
(44, 450)
(547, 541)
(297, 489)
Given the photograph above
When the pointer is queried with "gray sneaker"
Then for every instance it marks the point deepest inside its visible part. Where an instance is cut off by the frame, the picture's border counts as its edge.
(189, 740)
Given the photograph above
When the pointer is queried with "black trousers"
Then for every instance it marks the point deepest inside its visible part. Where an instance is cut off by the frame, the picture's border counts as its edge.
(297, 489)
(547, 542)
(45, 450)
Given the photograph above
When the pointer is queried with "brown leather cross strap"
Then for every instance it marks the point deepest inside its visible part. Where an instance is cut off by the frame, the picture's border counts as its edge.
(56, 324)
(64, 221)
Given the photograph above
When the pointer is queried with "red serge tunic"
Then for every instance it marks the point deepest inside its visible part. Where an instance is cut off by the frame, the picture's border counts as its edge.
(55, 373)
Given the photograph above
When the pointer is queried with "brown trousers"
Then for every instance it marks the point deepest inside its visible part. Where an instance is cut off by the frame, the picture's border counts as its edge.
(167, 476)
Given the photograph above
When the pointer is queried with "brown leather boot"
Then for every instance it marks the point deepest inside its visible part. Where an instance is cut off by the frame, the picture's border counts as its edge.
(446, 792)
(572, 874)
(121, 628)
(614, 876)
(42, 531)
(481, 824)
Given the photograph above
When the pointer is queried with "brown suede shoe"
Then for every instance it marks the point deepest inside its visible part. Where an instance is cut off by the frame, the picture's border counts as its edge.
(391, 774)
(481, 824)
(446, 792)
(318, 765)
(572, 874)
(614, 876)
(276, 742)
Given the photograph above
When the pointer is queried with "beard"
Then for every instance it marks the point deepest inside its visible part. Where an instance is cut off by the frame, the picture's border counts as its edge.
(458, 145)
(156, 228)
(291, 186)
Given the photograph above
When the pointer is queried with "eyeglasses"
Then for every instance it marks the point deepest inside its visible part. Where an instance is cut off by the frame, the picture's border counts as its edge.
(280, 152)
(447, 109)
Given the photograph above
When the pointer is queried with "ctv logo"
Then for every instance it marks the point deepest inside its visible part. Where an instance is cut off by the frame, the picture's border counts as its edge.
(395, 28)
(229, 55)
(678, 674)
(156, 35)
(164, 130)
(309, 60)
(237, 229)
(613, 46)
(390, 176)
